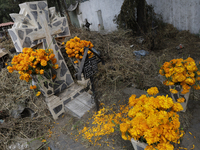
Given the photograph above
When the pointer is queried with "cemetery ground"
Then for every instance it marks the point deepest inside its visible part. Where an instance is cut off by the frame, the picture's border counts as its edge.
(123, 72)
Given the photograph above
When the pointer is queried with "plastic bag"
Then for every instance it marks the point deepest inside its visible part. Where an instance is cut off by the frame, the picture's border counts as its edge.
(140, 53)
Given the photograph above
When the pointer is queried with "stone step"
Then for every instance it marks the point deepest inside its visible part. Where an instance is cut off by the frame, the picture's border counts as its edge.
(80, 105)
(70, 93)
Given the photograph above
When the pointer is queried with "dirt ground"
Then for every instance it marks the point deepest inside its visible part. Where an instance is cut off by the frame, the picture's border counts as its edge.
(122, 69)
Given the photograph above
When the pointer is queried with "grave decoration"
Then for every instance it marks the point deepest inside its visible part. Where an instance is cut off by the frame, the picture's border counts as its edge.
(150, 122)
(75, 50)
(32, 63)
(85, 59)
(180, 76)
(38, 27)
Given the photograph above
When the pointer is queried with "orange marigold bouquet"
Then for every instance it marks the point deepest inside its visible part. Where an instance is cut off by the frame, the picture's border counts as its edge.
(33, 62)
(181, 72)
(153, 120)
(75, 48)
(149, 119)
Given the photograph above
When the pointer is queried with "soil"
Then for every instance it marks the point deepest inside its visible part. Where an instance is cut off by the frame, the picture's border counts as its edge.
(121, 70)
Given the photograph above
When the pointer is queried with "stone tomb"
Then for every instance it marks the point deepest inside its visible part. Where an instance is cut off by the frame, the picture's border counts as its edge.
(38, 26)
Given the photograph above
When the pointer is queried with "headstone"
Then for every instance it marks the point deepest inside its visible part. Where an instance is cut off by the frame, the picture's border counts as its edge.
(38, 26)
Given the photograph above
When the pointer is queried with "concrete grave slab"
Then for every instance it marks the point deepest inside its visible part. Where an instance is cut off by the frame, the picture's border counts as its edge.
(86, 99)
(80, 105)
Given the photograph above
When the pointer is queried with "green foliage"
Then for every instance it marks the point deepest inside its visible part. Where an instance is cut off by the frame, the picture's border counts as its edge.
(68, 2)
(12, 6)
(127, 18)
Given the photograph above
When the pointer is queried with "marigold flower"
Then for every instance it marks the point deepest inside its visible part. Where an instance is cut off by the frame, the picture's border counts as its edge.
(184, 91)
(54, 76)
(196, 87)
(33, 87)
(177, 107)
(173, 91)
(189, 81)
(10, 69)
(54, 60)
(153, 91)
(44, 140)
(43, 62)
(181, 100)
(76, 61)
(161, 71)
(124, 127)
(168, 83)
(41, 71)
(38, 93)
(82, 50)
(180, 77)
(77, 56)
(51, 56)
(56, 66)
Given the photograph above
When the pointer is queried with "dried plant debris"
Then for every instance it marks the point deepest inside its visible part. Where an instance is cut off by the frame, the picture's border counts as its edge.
(14, 97)
(121, 69)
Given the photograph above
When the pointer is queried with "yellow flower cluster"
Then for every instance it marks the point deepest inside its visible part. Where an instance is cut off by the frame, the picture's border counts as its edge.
(181, 100)
(174, 91)
(32, 61)
(153, 118)
(153, 91)
(181, 72)
(75, 48)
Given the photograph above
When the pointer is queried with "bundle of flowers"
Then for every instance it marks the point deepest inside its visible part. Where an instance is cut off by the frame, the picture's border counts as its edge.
(149, 119)
(153, 120)
(75, 48)
(33, 62)
(181, 72)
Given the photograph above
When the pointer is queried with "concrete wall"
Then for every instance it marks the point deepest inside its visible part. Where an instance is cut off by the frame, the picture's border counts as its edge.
(183, 14)
(89, 9)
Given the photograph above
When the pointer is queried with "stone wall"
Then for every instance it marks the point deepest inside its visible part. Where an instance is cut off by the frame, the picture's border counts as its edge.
(89, 10)
(183, 14)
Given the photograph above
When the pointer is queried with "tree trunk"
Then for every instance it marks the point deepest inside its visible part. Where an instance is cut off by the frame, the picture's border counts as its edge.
(59, 7)
(140, 15)
(66, 11)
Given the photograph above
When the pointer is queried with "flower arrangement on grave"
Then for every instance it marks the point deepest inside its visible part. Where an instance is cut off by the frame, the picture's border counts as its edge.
(33, 62)
(181, 72)
(149, 119)
(153, 120)
(75, 48)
